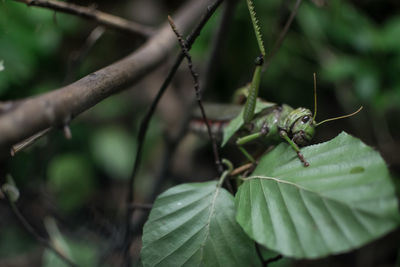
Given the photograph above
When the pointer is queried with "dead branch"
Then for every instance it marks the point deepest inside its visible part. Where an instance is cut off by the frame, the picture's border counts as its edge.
(102, 18)
(24, 118)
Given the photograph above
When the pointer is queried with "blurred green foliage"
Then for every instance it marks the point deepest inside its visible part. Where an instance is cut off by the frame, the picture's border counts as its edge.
(361, 52)
(339, 42)
(29, 41)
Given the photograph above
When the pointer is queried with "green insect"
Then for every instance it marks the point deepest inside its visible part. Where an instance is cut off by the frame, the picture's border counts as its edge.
(271, 123)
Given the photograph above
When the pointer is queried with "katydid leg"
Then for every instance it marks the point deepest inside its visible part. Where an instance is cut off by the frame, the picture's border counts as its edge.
(250, 105)
(244, 140)
(295, 147)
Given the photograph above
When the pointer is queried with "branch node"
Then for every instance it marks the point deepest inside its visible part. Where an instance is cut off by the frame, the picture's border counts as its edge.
(67, 132)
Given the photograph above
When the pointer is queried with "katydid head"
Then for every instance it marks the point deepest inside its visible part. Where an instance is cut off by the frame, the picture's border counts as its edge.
(301, 126)
(300, 123)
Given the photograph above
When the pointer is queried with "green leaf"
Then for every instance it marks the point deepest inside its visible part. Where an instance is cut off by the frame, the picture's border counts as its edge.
(194, 225)
(344, 200)
(238, 121)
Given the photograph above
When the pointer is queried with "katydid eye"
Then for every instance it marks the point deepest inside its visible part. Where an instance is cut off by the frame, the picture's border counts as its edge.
(305, 119)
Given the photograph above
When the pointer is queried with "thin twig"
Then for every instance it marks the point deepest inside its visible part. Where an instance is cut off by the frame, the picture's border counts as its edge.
(29, 228)
(27, 142)
(282, 35)
(198, 95)
(102, 18)
(241, 169)
(146, 120)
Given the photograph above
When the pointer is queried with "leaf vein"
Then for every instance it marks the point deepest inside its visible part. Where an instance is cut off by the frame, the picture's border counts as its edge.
(181, 245)
(333, 218)
(313, 219)
(291, 219)
(269, 213)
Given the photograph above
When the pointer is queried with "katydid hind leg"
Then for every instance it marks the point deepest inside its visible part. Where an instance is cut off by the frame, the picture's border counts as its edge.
(240, 142)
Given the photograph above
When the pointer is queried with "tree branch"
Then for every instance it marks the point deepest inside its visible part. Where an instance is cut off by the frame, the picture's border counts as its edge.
(102, 18)
(24, 118)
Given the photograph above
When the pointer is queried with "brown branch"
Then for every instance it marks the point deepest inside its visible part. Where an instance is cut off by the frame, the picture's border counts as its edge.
(102, 18)
(25, 118)
(241, 169)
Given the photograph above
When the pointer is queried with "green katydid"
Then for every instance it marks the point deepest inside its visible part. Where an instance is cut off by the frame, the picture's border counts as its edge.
(271, 122)
(266, 121)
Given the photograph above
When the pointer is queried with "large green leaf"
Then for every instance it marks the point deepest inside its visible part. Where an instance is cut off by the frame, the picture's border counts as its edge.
(343, 200)
(238, 121)
(194, 225)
